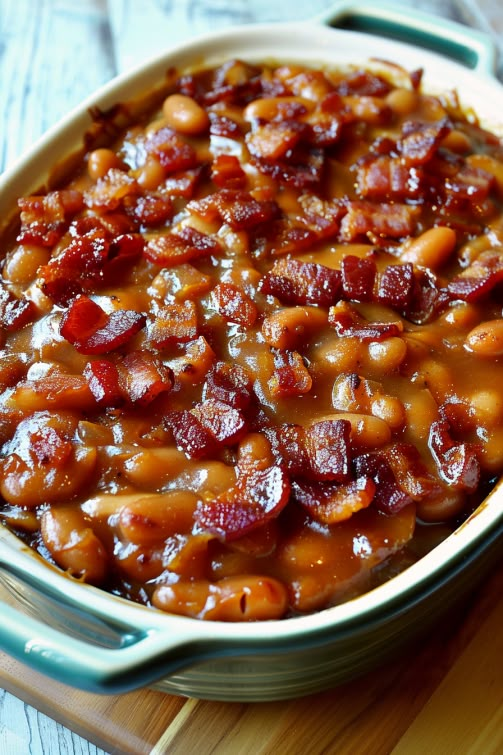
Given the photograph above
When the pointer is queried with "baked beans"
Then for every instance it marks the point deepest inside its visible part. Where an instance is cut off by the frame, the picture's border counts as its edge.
(252, 349)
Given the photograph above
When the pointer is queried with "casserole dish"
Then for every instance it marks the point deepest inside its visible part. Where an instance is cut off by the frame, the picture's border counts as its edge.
(102, 643)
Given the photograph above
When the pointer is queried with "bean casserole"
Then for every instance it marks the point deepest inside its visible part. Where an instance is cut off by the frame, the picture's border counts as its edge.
(252, 347)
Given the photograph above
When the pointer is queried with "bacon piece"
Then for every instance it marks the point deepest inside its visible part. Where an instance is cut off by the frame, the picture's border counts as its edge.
(242, 212)
(222, 125)
(321, 215)
(410, 471)
(143, 377)
(102, 376)
(328, 450)
(173, 323)
(428, 298)
(457, 462)
(227, 173)
(258, 496)
(358, 277)
(281, 236)
(91, 260)
(296, 282)
(288, 444)
(151, 210)
(230, 383)
(172, 151)
(225, 423)
(470, 183)
(385, 178)
(109, 192)
(92, 331)
(365, 219)
(234, 305)
(349, 323)
(44, 218)
(291, 376)
(479, 279)
(303, 169)
(14, 312)
(183, 183)
(180, 247)
(389, 498)
(275, 140)
(363, 83)
(419, 141)
(190, 435)
(396, 286)
(329, 502)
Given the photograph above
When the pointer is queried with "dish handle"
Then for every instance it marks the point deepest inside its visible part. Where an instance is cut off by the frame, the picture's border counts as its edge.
(141, 658)
(468, 46)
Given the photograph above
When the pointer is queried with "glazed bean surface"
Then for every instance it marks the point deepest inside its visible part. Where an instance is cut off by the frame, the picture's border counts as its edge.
(252, 349)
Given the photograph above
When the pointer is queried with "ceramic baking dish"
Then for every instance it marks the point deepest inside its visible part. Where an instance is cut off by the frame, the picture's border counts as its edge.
(92, 640)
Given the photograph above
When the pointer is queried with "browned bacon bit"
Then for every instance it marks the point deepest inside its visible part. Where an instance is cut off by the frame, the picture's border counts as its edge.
(241, 211)
(303, 168)
(226, 172)
(44, 218)
(396, 286)
(173, 323)
(183, 183)
(410, 471)
(14, 312)
(281, 237)
(389, 498)
(479, 279)
(88, 261)
(327, 445)
(384, 178)
(273, 141)
(224, 423)
(257, 497)
(234, 305)
(376, 220)
(189, 434)
(152, 210)
(230, 383)
(221, 125)
(296, 282)
(364, 84)
(178, 248)
(49, 447)
(172, 151)
(110, 191)
(143, 377)
(321, 215)
(358, 277)
(291, 376)
(288, 444)
(470, 183)
(457, 462)
(348, 323)
(428, 298)
(92, 331)
(329, 502)
(102, 376)
(419, 141)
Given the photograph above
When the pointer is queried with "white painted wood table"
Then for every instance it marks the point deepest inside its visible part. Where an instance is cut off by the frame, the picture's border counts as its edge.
(53, 53)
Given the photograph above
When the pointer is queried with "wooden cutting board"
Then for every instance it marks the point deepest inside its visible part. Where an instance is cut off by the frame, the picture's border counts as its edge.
(445, 697)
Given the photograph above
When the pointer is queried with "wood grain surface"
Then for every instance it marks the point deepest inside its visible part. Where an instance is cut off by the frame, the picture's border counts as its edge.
(446, 695)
